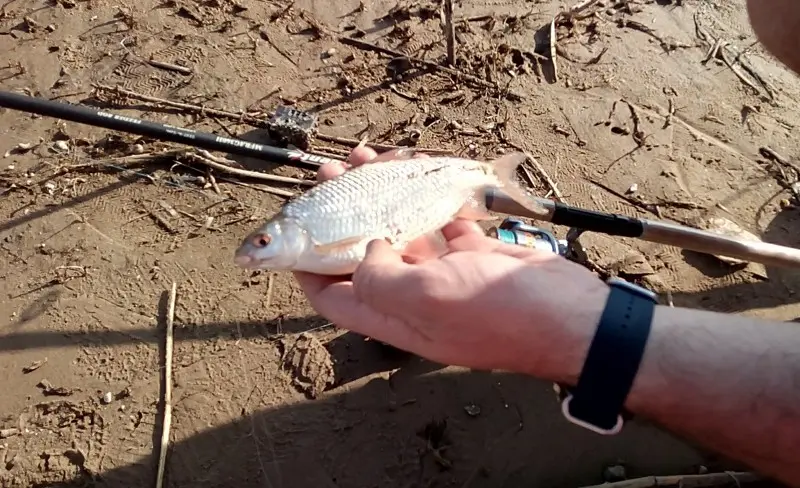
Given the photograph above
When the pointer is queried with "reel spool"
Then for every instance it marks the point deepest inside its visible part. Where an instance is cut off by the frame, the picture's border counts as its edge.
(514, 231)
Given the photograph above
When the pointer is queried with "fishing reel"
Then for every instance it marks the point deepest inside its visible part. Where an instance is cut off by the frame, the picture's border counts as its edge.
(291, 126)
(515, 231)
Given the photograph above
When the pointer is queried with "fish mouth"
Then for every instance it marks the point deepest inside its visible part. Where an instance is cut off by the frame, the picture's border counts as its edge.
(244, 261)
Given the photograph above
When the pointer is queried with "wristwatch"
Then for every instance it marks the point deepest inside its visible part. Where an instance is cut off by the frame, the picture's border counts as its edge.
(613, 360)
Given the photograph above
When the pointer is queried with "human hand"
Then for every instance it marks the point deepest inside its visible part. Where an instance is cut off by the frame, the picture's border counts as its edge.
(471, 301)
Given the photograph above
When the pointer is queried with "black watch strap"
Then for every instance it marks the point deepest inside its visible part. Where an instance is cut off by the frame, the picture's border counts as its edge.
(613, 359)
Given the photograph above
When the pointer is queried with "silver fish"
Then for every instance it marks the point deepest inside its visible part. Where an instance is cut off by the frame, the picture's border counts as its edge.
(326, 229)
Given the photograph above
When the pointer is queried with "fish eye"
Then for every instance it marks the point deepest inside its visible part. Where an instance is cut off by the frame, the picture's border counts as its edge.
(260, 240)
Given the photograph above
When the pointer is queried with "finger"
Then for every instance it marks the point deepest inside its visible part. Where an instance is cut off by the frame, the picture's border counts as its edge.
(384, 280)
(331, 170)
(461, 227)
(339, 304)
(426, 247)
(396, 154)
(313, 284)
(357, 157)
(361, 155)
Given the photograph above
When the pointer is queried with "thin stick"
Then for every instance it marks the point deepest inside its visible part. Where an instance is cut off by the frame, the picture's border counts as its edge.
(770, 153)
(170, 67)
(546, 177)
(265, 189)
(367, 46)
(345, 141)
(693, 480)
(581, 6)
(553, 42)
(270, 285)
(449, 31)
(242, 117)
(225, 165)
(167, 422)
(184, 106)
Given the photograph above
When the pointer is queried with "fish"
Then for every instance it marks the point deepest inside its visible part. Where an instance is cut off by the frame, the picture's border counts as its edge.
(326, 229)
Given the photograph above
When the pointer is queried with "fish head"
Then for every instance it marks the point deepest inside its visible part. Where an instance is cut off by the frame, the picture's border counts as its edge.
(279, 244)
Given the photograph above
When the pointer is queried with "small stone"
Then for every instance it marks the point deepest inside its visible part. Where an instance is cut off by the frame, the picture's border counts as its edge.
(472, 410)
(633, 188)
(614, 473)
(11, 432)
(107, 398)
(61, 145)
(138, 149)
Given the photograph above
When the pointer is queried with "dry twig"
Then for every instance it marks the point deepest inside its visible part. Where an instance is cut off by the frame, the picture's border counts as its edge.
(687, 481)
(226, 165)
(345, 141)
(167, 399)
(170, 67)
(367, 46)
(771, 154)
(198, 109)
(718, 48)
(449, 31)
(546, 178)
(265, 35)
(650, 207)
(553, 42)
(245, 118)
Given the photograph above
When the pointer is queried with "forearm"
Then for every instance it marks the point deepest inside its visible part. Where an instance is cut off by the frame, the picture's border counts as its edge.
(727, 382)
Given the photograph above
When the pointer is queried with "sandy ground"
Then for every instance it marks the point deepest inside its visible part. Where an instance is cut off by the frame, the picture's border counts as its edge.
(89, 252)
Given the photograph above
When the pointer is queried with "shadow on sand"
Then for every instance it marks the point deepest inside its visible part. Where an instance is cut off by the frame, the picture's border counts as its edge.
(411, 428)
(779, 290)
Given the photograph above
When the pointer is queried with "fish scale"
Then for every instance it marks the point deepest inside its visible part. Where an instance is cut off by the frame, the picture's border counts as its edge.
(326, 229)
(383, 198)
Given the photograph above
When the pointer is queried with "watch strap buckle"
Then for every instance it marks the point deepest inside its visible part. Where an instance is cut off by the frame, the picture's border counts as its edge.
(565, 403)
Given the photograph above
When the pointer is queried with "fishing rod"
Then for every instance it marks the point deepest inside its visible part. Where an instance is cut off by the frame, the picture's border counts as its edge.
(660, 232)
(165, 132)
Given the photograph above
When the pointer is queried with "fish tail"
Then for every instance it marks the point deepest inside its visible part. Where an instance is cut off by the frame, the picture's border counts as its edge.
(505, 169)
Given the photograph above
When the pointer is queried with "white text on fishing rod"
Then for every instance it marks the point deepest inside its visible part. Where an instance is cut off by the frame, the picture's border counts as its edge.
(240, 143)
(119, 117)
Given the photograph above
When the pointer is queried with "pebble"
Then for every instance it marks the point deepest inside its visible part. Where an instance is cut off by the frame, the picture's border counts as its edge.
(107, 398)
(614, 473)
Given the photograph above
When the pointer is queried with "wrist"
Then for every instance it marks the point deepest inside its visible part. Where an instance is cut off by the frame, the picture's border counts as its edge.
(558, 350)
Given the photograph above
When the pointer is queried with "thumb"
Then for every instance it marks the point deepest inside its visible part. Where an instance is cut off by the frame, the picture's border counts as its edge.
(382, 277)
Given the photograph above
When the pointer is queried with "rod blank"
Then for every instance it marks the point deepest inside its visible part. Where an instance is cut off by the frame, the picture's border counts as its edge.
(123, 123)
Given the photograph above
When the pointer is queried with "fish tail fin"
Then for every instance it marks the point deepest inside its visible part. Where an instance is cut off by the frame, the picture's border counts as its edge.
(505, 168)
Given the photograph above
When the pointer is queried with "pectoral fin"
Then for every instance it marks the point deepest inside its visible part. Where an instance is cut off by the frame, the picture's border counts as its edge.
(505, 168)
(338, 246)
(475, 208)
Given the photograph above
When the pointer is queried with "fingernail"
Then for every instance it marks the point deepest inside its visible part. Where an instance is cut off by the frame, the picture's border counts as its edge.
(405, 153)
